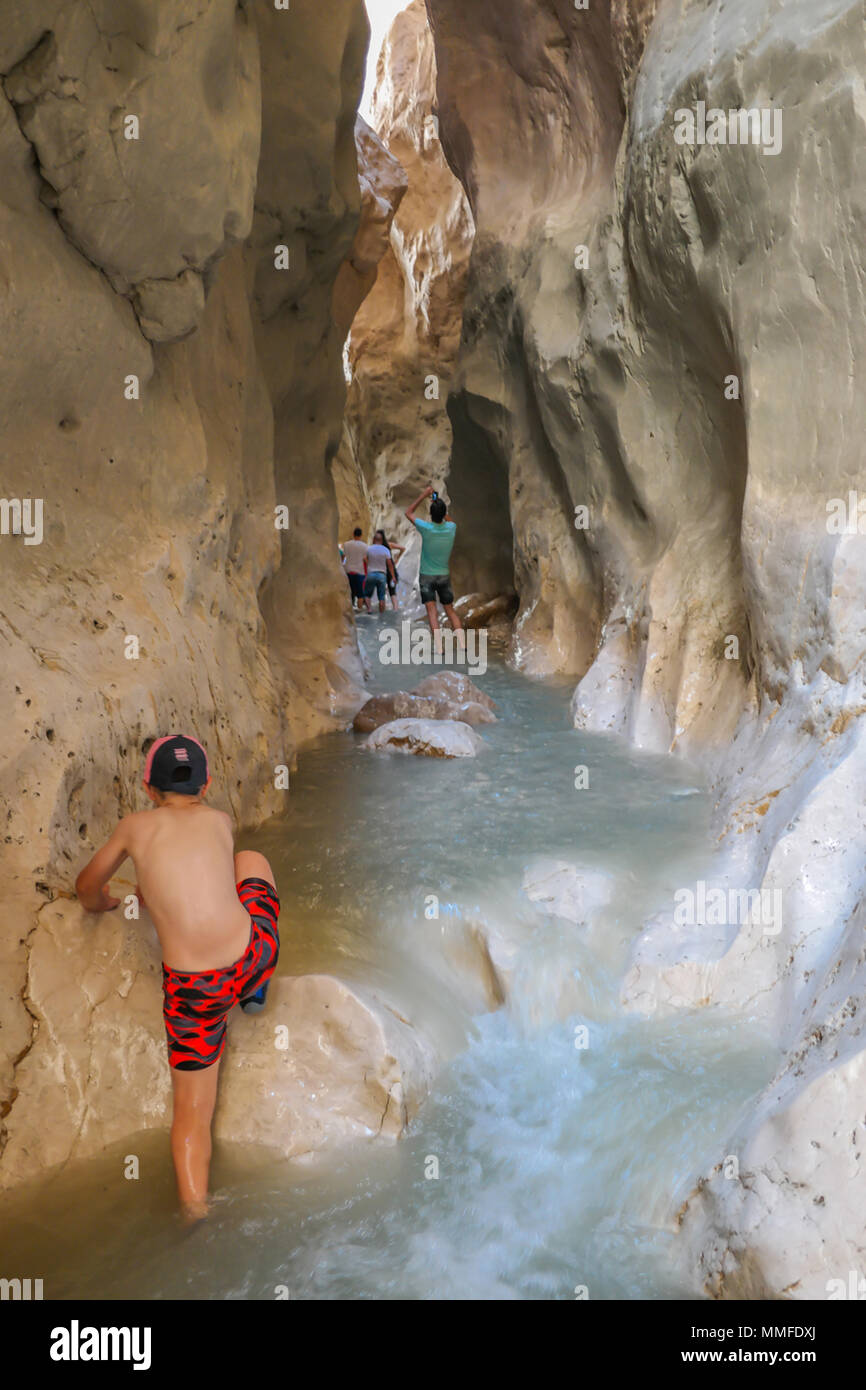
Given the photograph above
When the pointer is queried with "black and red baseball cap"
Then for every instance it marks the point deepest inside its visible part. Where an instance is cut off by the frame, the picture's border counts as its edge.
(176, 764)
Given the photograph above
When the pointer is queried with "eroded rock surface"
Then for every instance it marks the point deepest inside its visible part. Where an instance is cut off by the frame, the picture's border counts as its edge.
(427, 738)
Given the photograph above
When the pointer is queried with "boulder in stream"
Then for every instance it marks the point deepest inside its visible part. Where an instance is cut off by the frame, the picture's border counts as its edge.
(404, 704)
(570, 891)
(328, 1063)
(454, 685)
(429, 738)
(487, 610)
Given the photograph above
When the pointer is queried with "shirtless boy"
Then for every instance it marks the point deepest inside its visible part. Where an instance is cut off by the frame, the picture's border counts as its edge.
(215, 913)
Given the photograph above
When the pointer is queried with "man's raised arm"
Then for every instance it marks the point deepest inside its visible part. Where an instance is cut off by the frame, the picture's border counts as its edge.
(410, 511)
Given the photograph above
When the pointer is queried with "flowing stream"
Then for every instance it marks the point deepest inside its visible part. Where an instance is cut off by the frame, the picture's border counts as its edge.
(560, 1165)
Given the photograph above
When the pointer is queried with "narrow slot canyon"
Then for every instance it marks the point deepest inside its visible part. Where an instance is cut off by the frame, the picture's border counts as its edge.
(566, 824)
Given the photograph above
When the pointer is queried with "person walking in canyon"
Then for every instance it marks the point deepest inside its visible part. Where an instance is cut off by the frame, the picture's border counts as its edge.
(380, 567)
(396, 552)
(437, 542)
(215, 914)
(354, 554)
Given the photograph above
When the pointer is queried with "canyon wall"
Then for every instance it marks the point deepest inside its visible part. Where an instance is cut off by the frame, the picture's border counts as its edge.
(179, 193)
(657, 391)
(405, 337)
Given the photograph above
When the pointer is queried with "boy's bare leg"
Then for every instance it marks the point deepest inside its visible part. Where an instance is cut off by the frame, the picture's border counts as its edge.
(250, 864)
(195, 1095)
(453, 619)
(432, 616)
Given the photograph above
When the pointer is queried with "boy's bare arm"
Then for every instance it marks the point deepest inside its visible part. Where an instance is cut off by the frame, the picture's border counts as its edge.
(90, 883)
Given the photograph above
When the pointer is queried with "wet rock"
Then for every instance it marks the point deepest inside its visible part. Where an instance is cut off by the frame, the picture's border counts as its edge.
(402, 704)
(453, 685)
(780, 1215)
(485, 610)
(326, 1064)
(564, 890)
(429, 738)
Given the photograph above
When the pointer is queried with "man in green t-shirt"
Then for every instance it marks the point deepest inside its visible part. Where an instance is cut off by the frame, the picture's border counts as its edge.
(437, 542)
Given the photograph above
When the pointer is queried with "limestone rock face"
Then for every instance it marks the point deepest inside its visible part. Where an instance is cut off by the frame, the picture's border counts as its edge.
(428, 738)
(148, 587)
(789, 1222)
(144, 121)
(405, 337)
(381, 709)
(327, 1063)
(655, 399)
(383, 184)
(96, 1069)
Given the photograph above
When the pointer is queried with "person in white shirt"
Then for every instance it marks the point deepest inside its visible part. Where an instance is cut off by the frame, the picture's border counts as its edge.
(379, 567)
(354, 554)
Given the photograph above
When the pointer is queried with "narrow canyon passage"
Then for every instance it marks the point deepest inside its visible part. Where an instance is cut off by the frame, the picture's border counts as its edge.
(561, 1133)
(574, 1002)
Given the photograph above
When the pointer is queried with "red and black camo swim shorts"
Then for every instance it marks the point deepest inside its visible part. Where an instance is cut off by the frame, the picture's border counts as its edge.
(197, 1004)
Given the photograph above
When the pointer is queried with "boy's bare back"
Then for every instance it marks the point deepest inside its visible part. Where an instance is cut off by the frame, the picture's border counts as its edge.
(184, 863)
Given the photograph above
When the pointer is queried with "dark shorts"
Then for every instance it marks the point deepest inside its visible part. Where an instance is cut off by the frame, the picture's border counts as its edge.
(196, 1004)
(392, 583)
(356, 584)
(435, 586)
(375, 584)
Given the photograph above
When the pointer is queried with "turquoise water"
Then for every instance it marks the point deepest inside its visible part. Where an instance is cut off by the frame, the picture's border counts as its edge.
(559, 1167)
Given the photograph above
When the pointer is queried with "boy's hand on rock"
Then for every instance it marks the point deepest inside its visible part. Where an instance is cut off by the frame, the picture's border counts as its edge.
(105, 904)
